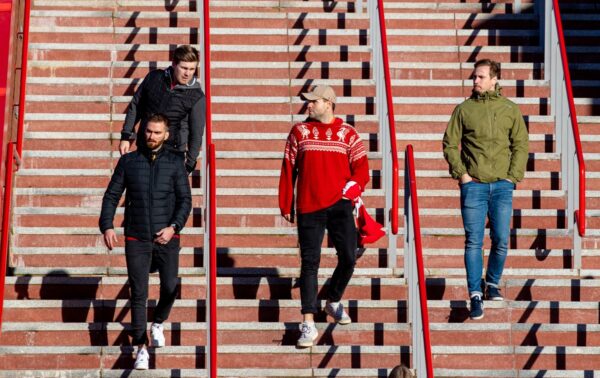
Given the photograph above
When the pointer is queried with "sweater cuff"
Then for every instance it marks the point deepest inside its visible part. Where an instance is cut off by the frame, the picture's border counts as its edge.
(127, 135)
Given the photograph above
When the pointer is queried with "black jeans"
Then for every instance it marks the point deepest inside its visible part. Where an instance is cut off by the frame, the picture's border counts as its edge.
(140, 257)
(338, 219)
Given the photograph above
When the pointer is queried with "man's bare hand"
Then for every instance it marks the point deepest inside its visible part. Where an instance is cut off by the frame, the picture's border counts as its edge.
(164, 236)
(124, 146)
(465, 178)
(110, 238)
(288, 217)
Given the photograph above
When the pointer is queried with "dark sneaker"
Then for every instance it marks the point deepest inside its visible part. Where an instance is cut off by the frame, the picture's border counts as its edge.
(476, 308)
(493, 294)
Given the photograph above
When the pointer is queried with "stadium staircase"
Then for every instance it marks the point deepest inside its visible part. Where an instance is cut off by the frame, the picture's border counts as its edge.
(67, 313)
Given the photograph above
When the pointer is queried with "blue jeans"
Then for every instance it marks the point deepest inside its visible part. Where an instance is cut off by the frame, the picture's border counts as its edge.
(476, 201)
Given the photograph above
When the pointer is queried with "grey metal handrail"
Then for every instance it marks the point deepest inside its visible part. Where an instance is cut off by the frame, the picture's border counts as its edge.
(568, 141)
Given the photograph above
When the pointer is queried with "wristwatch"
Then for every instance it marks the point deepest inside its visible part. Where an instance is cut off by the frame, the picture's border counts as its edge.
(175, 227)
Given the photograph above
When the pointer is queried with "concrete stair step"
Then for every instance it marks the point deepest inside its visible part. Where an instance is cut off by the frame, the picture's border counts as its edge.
(499, 8)
(286, 237)
(526, 357)
(451, 54)
(184, 334)
(290, 20)
(261, 198)
(75, 71)
(286, 334)
(192, 373)
(451, 37)
(190, 357)
(273, 287)
(285, 258)
(286, 310)
(459, 21)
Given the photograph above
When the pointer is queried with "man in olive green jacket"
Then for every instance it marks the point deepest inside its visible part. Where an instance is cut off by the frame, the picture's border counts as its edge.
(486, 146)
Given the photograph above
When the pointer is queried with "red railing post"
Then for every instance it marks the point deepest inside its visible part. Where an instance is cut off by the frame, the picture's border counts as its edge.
(210, 172)
(419, 257)
(580, 213)
(391, 118)
(13, 156)
(23, 85)
(8, 178)
(213, 262)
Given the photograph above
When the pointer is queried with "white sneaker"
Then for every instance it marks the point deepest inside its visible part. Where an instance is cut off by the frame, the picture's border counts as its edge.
(308, 335)
(158, 337)
(142, 359)
(336, 311)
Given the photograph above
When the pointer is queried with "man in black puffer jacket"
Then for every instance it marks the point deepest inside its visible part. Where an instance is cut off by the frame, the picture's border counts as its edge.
(176, 93)
(157, 204)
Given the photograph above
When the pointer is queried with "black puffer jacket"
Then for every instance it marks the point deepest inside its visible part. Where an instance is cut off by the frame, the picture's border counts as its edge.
(158, 193)
(184, 106)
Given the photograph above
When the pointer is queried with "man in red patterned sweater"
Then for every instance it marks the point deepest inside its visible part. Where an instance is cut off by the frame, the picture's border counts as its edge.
(328, 160)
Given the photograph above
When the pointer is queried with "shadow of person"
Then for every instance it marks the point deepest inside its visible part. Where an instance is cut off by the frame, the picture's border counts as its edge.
(459, 312)
(22, 287)
(78, 296)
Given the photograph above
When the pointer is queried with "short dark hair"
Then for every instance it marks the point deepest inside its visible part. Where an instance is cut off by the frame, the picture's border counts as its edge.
(401, 371)
(159, 118)
(185, 53)
(494, 66)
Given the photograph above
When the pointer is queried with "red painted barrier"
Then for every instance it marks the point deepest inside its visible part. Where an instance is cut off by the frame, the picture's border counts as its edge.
(579, 214)
(210, 172)
(13, 156)
(414, 201)
(391, 118)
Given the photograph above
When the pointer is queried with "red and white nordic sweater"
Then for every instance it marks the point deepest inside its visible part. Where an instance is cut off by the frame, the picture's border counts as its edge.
(323, 157)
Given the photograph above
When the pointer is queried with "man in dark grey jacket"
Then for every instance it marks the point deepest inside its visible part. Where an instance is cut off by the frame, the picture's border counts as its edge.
(157, 204)
(176, 93)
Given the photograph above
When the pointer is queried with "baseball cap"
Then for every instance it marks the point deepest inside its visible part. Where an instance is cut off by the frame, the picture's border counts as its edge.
(320, 91)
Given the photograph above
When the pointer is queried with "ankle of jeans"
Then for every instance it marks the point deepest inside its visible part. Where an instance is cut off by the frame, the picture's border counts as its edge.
(474, 293)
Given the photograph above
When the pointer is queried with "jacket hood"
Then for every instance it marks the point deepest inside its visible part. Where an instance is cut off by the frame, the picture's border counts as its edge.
(193, 84)
(488, 95)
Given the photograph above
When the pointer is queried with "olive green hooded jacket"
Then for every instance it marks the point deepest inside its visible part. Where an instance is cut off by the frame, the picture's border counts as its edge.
(492, 136)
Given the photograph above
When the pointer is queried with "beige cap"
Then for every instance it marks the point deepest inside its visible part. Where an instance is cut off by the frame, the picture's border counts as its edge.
(320, 91)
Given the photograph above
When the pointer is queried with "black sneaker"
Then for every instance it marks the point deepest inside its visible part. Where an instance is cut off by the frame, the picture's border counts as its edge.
(476, 307)
(493, 294)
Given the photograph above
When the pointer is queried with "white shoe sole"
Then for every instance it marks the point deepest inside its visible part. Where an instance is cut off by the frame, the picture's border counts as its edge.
(157, 343)
(307, 344)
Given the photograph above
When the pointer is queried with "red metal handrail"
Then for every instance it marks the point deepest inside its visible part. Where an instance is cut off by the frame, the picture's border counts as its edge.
(213, 260)
(10, 157)
(419, 257)
(210, 172)
(24, 56)
(13, 156)
(391, 118)
(579, 214)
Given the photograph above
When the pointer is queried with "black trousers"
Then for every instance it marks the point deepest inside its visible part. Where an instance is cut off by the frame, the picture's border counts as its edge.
(141, 257)
(338, 219)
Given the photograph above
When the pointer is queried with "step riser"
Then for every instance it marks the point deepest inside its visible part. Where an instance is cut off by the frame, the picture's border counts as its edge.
(290, 241)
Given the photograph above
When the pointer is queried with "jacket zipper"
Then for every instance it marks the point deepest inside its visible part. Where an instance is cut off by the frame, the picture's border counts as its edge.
(150, 201)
